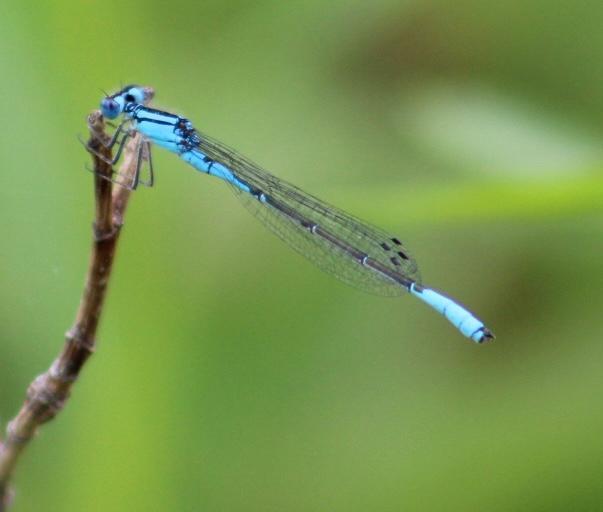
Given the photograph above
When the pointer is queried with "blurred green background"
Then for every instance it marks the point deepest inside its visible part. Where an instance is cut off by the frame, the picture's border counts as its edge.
(231, 375)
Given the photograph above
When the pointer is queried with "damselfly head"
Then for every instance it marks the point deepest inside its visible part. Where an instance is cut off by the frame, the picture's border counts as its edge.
(114, 105)
(135, 94)
(148, 93)
(110, 108)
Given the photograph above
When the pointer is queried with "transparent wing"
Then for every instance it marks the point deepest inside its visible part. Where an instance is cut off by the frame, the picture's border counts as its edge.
(290, 213)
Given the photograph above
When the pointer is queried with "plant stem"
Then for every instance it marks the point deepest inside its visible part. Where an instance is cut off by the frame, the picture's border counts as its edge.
(49, 392)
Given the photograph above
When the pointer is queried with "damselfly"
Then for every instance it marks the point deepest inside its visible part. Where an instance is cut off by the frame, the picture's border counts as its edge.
(352, 250)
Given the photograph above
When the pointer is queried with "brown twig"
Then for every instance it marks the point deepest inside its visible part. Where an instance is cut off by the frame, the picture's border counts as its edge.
(48, 393)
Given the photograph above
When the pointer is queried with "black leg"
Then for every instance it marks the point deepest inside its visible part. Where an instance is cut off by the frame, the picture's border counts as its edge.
(110, 179)
(147, 156)
(115, 136)
(113, 140)
(151, 170)
(139, 160)
(113, 161)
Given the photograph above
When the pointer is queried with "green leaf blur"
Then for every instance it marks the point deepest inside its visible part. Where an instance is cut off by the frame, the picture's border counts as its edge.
(231, 375)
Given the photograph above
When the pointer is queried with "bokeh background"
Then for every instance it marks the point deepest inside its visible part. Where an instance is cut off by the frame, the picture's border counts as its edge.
(231, 375)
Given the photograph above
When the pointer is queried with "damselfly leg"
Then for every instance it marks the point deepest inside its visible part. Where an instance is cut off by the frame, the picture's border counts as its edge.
(143, 154)
(109, 145)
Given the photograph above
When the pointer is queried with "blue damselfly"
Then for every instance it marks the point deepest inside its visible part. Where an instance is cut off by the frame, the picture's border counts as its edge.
(354, 251)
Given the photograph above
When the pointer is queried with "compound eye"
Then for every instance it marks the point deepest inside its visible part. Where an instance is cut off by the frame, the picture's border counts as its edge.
(110, 108)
